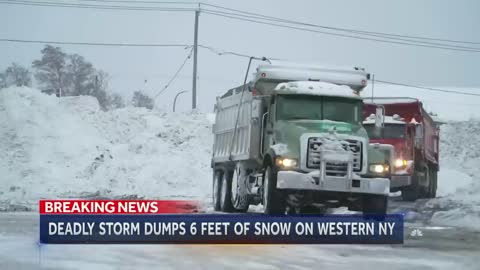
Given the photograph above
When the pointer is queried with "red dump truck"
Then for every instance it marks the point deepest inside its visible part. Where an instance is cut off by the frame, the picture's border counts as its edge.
(415, 137)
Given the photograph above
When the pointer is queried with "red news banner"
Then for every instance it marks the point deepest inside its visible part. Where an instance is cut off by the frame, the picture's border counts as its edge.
(124, 207)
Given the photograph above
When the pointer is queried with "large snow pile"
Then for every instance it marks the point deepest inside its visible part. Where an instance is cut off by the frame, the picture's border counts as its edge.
(69, 148)
(458, 202)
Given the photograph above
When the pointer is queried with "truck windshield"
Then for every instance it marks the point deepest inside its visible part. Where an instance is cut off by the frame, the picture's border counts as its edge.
(306, 107)
(389, 131)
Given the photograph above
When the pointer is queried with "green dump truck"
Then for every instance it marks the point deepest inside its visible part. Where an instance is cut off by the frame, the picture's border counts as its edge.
(292, 139)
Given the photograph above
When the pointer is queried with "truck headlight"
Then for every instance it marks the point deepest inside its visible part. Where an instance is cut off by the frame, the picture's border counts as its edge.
(400, 163)
(286, 162)
(379, 168)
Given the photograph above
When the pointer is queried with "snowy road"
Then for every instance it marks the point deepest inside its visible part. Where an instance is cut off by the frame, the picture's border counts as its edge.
(438, 248)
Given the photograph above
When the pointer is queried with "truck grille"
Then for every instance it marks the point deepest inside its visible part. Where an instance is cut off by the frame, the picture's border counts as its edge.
(337, 169)
(313, 156)
(356, 148)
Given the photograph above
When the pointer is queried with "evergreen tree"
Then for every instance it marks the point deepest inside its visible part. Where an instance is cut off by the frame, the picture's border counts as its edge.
(141, 100)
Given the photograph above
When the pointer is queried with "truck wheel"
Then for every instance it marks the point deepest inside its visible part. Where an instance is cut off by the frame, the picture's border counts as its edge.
(412, 192)
(375, 204)
(273, 202)
(216, 186)
(239, 188)
(425, 191)
(226, 192)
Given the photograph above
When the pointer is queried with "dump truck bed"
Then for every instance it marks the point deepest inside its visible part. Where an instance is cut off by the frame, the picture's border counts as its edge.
(244, 144)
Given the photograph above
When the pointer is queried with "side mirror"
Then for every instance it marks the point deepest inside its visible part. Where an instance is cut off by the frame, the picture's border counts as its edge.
(418, 132)
(379, 117)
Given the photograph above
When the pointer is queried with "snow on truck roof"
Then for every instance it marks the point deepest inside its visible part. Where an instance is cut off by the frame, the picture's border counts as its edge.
(316, 88)
(395, 119)
(354, 77)
(389, 100)
(303, 65)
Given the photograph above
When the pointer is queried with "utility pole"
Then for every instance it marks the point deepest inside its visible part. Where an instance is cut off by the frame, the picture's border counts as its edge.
(195, 47)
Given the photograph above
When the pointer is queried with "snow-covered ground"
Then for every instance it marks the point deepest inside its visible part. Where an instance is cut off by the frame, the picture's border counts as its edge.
(459, 186)
(69, 148)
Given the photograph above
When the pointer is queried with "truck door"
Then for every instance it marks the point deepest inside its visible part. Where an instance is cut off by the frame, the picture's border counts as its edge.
(267, 125)
(269, 138)
(409, 142)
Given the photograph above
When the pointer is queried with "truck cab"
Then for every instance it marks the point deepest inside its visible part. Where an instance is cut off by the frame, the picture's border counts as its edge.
(394, 132)
(414, 135)
(299, 141)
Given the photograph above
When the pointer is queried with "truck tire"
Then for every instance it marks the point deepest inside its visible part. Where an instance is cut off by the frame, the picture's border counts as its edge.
(375, 205)
(239, 189)
(412, 192)
(425, 191)
(226, 192)
(273, 202)
(216, 186)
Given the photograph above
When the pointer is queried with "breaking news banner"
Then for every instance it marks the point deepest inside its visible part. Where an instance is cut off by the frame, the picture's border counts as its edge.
(175, 222)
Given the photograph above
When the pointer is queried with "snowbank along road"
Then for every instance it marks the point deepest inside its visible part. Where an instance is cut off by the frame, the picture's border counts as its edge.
(69, 148)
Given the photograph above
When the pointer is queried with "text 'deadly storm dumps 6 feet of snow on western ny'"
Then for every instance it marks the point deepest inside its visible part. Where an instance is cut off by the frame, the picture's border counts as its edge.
(107, 221)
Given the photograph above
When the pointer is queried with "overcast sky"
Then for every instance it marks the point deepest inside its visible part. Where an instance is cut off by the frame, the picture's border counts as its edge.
(130, 67)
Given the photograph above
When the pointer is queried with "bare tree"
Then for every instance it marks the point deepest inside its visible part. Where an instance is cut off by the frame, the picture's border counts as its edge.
(51, 71)
(141, 100)
(72, 75)
(80, 76)
(16, 75)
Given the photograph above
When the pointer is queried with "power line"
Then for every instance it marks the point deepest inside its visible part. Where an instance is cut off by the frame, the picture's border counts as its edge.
(446, 102)
(216, 51)
(411, 38)
(354, 32)
(241, 15)
(429, 88)
(444, 47)
(141, 2)
(223, 52)
(92, 6)
(337, 28)
(175, 75)
(93, 43)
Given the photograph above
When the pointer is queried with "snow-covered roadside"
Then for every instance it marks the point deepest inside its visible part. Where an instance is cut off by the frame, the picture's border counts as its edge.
(458, 195)
(68, 147)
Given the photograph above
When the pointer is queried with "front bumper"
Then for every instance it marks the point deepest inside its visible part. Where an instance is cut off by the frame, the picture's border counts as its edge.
(311, 181)
(400, 180)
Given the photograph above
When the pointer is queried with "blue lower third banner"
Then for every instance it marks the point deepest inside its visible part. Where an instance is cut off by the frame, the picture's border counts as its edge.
(221, 229)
